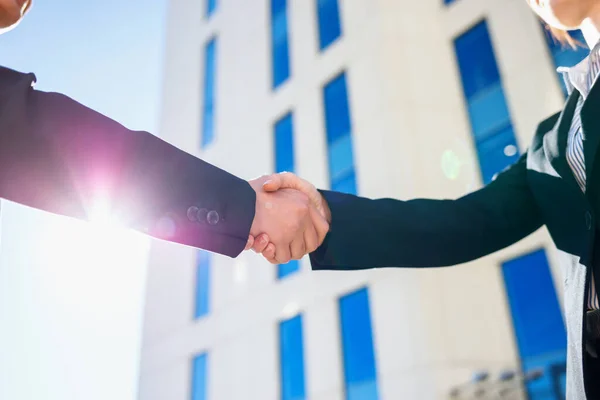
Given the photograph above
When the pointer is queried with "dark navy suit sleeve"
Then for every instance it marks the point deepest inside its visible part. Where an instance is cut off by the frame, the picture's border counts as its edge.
(59, 156)
(369, 233)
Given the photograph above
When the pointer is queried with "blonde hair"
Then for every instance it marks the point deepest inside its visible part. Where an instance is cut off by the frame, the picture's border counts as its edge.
(563, 37)
(560, 35)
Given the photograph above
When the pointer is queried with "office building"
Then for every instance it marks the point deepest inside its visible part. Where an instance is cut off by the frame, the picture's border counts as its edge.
(387, 98)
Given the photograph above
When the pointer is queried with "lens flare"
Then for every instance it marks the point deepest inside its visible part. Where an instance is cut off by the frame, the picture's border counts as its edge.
(457, 164)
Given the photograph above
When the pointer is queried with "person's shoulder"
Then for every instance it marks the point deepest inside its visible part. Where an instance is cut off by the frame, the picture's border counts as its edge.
(10, 77)
(13, 82)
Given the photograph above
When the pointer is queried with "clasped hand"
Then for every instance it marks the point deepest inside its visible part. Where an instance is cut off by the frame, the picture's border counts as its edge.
(291, 218)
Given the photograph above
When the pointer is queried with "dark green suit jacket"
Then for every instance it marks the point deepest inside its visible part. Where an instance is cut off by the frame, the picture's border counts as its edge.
(539, 189)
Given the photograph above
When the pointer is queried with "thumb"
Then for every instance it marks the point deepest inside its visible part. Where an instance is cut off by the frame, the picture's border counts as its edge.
(288, 180)
(249, 243)
(276, 182)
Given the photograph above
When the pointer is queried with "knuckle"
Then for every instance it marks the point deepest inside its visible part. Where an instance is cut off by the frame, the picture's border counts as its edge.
(303, 207)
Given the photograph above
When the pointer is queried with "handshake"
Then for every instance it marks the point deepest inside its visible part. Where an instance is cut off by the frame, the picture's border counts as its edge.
(291, 218)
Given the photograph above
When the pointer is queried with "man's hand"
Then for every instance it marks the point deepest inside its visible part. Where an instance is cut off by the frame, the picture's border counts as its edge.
(293, 224)
(288, 180)
(285, 181)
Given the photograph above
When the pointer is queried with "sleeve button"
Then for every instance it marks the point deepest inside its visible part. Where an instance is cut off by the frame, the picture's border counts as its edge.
(201, 215)
(192, 213)
(212, 218)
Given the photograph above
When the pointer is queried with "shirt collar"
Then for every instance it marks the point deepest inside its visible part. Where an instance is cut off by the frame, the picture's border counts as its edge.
(576, 77)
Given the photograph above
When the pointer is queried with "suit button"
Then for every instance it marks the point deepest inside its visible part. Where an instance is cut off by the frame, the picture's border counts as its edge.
(212, 217)
(192, 213)
(588, 220)
(201, 215)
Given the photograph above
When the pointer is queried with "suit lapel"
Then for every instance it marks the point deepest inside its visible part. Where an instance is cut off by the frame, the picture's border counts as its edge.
(555, 141)
(591, 130)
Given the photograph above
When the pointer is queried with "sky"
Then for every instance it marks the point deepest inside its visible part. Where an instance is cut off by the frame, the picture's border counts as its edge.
(71, 293)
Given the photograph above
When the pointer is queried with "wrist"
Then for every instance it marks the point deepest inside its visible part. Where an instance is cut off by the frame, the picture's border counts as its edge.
(326, 209)
(258, 207)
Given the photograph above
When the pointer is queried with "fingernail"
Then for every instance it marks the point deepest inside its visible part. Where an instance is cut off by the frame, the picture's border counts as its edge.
(263, 240)
(267, 182)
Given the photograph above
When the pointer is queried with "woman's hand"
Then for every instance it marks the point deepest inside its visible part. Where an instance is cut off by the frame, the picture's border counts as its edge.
(287, 180)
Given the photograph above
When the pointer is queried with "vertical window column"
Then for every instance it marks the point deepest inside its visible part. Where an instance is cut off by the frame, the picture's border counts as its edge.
(538, 323)
(199, 375)
(208, 114)
(360, 372)
(279, 42)
(202, 284)
(339, 136)
(292, 359)
(328, 14)
(211, 6)
(491, 124)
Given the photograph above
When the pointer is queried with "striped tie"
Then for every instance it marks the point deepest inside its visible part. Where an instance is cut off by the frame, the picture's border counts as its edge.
(575, 156)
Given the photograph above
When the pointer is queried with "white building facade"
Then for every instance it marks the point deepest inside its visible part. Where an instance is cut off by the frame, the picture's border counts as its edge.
(388, 98)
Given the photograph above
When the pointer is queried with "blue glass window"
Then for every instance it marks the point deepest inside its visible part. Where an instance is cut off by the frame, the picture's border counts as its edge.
(488, 111)
(337, 110)
(284, 144)
(345, 184)
(495, 151)
(538, 323)
(339, 135)
(208, 120)
(360, 373)
(491, 125)
(329, 22)
(476, 60)
(199, 381)
(279, 42)
(292, 359)
(202, 284)
(284, 270)
(211, 5)
(284, 161)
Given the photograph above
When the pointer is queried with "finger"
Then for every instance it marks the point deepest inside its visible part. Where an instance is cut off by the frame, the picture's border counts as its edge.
(273, 183)
(311, 238)
(283, 254)
(283, 180)
(290, 180)
(269, 253)
(298, 248)
(249, 243)
(260, 243)
(320, 223)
